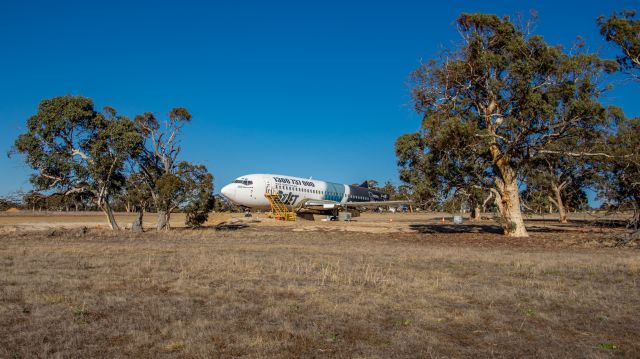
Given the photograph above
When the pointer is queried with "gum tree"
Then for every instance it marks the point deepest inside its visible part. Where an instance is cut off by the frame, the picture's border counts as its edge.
(623, 29)
(454, 178)
(171, 183)
(75, 149)
(416, 170)
(567, 166)
(197, 193)
(622, 171)
(513, 96)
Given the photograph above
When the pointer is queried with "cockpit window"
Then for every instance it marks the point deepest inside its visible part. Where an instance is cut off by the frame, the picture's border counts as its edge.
(244, 182)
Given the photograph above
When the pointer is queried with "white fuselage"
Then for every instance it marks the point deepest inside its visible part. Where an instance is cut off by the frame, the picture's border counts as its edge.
(249, 190)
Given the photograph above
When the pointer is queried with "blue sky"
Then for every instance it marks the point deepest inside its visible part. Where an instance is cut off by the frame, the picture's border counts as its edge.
(306, 88)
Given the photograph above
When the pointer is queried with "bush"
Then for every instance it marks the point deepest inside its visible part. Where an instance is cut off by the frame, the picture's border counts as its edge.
(197, 212)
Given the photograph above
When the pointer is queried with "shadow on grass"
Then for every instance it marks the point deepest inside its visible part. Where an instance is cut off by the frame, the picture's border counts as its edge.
(581, 222)
(456, 228)
(478, 228)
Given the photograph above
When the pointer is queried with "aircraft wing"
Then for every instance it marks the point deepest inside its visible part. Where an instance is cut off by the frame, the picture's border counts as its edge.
(322, 206)
(375, 204)
(319, 204)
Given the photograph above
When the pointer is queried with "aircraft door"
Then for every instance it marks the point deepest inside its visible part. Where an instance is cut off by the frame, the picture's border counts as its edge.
(267, 186)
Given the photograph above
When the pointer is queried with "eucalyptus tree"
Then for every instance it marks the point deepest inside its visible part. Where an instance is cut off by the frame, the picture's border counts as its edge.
(33, 200)
(455, 177)
(621, 173)
(197, 193)
(171, 182)
(416, 171)
(390, 189)
(75, 149)
(623, 29)
(512, 96)
(138, 197)
(567, 167)
(9, 202)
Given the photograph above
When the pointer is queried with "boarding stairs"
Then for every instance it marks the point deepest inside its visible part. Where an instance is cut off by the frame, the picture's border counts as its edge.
(280, 210)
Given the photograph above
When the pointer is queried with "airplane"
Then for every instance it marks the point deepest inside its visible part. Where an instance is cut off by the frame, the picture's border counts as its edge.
(304, 196)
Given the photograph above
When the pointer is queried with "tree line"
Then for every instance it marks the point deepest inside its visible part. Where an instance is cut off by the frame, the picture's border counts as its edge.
(98, 159)
(510, 120)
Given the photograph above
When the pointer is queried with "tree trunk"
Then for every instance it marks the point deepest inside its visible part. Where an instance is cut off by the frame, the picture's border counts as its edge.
(163, 220)
(106, 208)
(508, 202)
(476, 213)
(562, 213)
(136, 227)
(486, 201)
(635, 221)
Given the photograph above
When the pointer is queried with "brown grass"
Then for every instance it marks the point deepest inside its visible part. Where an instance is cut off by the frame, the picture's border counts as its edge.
(272, 291)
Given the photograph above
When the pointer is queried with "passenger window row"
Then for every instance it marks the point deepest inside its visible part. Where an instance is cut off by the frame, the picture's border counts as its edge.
(315, 191)
(307, 190)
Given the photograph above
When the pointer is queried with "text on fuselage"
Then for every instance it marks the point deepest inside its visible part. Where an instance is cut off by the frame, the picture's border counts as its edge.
(293, 181)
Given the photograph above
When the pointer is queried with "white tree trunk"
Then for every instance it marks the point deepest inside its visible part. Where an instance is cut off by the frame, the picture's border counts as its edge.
(562, 212)
(486, 201)
(136, 227)
(106, 208)
(163, 220)
(508, 202)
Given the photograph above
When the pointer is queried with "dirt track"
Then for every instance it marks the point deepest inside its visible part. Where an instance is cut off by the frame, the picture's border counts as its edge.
(367, 223)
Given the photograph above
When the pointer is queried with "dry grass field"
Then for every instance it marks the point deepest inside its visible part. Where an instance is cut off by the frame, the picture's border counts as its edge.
(384, 286)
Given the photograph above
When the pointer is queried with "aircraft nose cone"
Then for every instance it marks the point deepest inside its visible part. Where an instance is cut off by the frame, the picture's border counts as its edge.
(228, 191)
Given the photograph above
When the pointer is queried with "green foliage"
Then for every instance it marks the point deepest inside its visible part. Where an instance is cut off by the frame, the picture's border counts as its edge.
(180, 114)
(168, 188)
(622, 29)
(621, 175)
(493, 105)
(7, 203)
(608, 346)
(390, 189)
(505, 91)
(373, 184)
(56, 139)
(197, 212)
(137, 192)
(453, 204)
(171, 183)
(75, 149)
(190, 187)
(559, 178)
(416, 170)
(197, 193)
